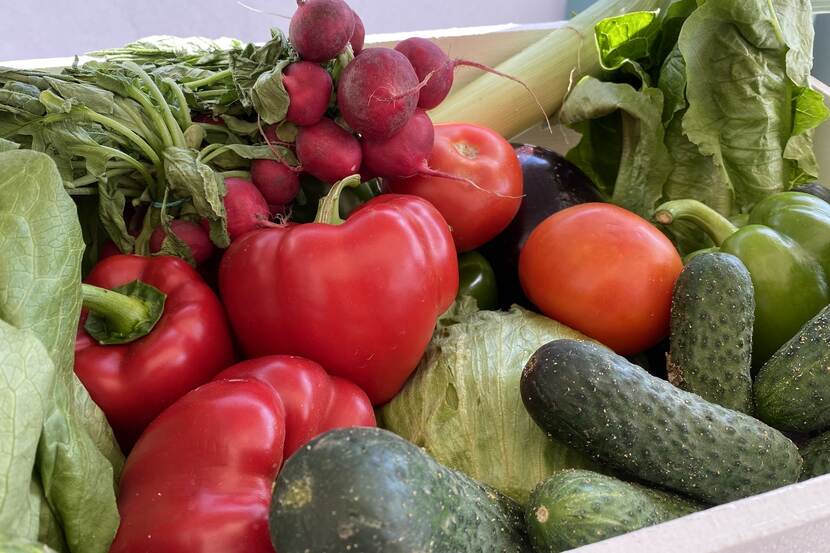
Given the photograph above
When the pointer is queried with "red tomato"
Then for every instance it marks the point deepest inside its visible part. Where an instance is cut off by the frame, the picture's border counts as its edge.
(477, 213)
(604, 271)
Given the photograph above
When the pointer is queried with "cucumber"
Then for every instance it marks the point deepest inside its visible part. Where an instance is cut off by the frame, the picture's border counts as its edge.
(578, 507)
(792, 390)
(816, 455)
(592, 399)
(370, 491)
(712, 314)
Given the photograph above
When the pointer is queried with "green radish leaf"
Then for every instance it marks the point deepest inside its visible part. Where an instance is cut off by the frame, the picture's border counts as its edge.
(93, 97)
(248, 64)
(22, 102)
(78, 461)
(644, 162)
(194, 135)
(240, 126)
(172, 244)
(190, 178)
(269, 97)
(181, 73)
(287, 132)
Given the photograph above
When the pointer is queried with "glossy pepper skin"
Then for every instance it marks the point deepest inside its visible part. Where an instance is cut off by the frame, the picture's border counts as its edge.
(360, 297)
(134, 382)
(476, 278)
(786, 248)
(199, 479)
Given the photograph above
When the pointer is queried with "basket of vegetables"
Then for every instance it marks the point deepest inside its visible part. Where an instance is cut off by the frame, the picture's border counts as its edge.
(318, 295)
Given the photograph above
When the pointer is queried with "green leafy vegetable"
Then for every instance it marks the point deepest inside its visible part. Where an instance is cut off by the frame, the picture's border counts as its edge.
(27, 377)
(463, 403)
(731, 79)
(77, 460)
(19, 545)
(644, 160)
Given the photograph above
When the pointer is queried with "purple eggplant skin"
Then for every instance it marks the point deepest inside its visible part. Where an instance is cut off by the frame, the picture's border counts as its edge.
(551, 184)
(816, 190)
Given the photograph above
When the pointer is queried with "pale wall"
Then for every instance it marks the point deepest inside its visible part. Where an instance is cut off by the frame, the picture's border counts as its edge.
(53, 28)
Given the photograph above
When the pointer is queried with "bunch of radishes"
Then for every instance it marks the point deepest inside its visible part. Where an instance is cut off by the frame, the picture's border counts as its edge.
(381, 96)
(382, 129)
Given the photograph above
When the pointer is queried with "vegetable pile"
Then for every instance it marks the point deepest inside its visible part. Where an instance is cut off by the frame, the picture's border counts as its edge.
(221, 262)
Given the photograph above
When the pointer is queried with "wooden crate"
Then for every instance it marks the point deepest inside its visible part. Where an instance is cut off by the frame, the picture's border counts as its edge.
(794, 519)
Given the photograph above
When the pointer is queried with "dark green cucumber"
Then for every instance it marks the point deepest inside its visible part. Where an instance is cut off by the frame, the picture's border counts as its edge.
(370, 491)
(578, 507)
(792, 390)
(712, 313)
(816, 455)
(590, 398)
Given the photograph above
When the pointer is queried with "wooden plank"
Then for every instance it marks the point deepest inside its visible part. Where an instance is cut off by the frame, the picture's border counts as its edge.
(787, 520)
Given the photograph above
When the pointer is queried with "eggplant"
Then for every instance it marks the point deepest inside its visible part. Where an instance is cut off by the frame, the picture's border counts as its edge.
(815, 189)
(551, 184)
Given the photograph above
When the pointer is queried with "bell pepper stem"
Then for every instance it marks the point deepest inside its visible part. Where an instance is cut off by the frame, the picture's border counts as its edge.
(122, 312)
(718, 227)
(328, 210)
(122, 315)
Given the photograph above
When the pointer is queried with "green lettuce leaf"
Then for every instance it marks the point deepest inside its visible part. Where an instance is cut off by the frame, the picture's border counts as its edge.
(27, 379)
(626, 40)
(464, 398)
(77, 461)
(6, 145)
(746, 61)
(643, 163)
(19, 545)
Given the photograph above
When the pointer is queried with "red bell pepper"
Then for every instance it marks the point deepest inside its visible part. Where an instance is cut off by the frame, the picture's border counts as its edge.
(314, 401)
(199, 479)
(145, 365)
(360, 297)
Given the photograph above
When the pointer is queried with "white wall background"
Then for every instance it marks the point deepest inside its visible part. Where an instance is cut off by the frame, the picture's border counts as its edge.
(53, 28)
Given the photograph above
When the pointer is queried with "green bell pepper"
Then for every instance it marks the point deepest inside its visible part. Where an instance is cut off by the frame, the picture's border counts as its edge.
(786, 248)
(477, 279)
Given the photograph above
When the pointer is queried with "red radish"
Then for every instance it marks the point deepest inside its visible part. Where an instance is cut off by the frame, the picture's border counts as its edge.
(359, 34)
(309, 91)
(277, 210)
(270, 134)
(328, 152)
(245, 208)
(378, 92)
(407, 153)
(403, 155)
(277, 183)
(321, 29)
(191, 234)
(207, 118)
(431, 63)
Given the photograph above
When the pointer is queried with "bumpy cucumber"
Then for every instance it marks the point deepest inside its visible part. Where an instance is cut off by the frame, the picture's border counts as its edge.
(712, 313)
(596, 401)
(578, 507)
(816, 455)
(792, 390)
(369, 491)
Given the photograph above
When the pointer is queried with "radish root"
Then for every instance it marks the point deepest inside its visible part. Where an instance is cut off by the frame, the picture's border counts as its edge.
(482, 67)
